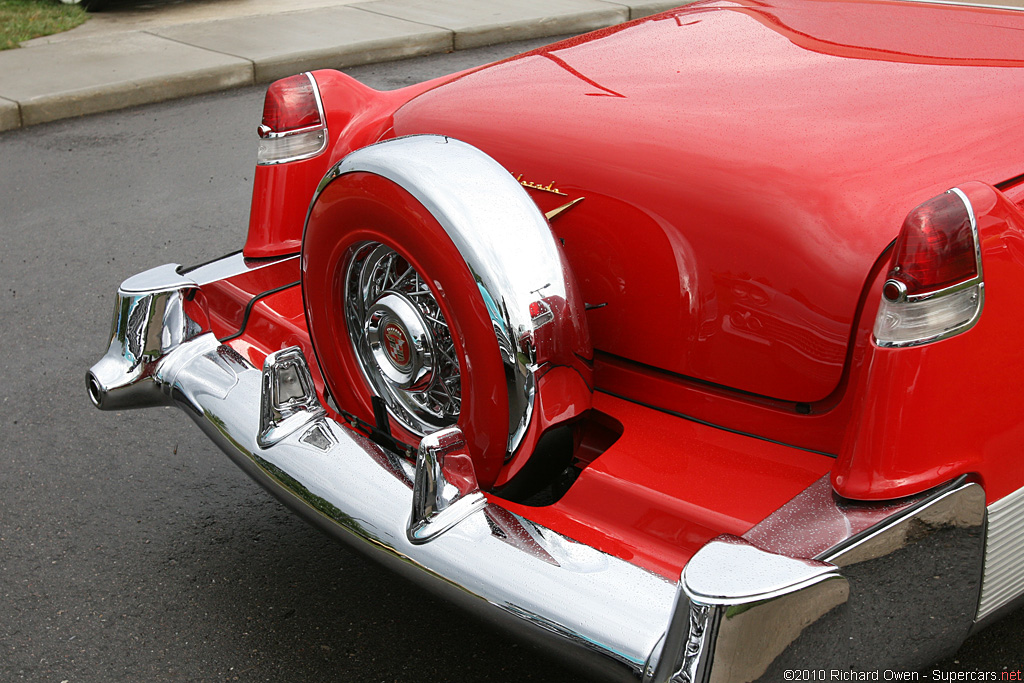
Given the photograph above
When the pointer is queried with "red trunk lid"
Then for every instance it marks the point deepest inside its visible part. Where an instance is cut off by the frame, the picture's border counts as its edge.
(743, 166)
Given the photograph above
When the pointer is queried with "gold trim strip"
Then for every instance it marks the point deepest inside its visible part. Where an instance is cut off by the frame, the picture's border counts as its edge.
(555, 213)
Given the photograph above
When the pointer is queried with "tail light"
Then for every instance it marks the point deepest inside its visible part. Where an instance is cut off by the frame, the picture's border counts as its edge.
(935, 287)
(540, 313)
(294, 126)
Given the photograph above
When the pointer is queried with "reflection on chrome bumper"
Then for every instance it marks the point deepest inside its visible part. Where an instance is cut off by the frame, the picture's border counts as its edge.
(820, 581)
(890, 586)
(601, 611)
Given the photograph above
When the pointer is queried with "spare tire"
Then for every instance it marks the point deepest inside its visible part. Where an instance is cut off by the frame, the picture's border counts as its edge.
(424, 267)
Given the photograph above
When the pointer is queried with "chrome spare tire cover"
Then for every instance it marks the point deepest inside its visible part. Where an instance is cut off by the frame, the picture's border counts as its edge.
(523, 279)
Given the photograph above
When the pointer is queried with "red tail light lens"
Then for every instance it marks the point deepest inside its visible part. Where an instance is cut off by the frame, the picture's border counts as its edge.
(935, 288)
(935, 248)
(291, 104)
(540, 313)
(293, 126)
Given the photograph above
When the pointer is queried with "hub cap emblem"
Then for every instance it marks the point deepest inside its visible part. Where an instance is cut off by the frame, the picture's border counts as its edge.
(397, 345)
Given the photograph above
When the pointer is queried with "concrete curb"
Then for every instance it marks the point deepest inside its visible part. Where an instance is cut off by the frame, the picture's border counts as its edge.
(476, 24)
(88, 75)
(326, 38)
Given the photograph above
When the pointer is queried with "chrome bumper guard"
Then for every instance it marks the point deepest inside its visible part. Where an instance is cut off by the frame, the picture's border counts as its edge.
(820, 581)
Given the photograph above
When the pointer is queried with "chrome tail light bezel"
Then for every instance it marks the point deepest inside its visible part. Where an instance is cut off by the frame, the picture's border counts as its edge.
(906, 320)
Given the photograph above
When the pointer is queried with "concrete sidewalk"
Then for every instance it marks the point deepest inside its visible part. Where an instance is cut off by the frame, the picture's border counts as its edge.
(136, 56)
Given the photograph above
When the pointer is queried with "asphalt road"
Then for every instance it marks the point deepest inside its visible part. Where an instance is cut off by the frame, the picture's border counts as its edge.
(130, 548)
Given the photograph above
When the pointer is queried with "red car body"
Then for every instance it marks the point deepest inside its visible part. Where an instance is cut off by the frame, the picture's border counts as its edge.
(747, 176)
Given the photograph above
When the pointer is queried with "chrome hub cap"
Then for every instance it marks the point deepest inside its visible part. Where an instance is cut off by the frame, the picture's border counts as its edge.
(400, 343)
(401, 339)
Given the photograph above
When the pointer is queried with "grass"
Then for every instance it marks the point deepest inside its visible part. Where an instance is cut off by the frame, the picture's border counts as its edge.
(24, 19)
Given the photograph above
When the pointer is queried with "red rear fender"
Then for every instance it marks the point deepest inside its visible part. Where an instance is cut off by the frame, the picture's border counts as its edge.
(926, 414)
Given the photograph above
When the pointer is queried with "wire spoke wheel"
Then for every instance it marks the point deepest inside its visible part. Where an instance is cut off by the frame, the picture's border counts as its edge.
(401, 339)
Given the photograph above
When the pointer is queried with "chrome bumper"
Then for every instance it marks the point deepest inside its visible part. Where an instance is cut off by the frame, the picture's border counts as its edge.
(812, 584)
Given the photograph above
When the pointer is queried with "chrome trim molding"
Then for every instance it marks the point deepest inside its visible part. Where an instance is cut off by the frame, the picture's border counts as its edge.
(504, 239)
(266, 133)
(901, 291)
(970, 4)
(229, 266)
(1004, 554)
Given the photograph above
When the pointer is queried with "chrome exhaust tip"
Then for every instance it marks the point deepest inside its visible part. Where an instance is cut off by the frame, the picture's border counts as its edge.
(114, 383)
(149, 322)
(95, 389)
